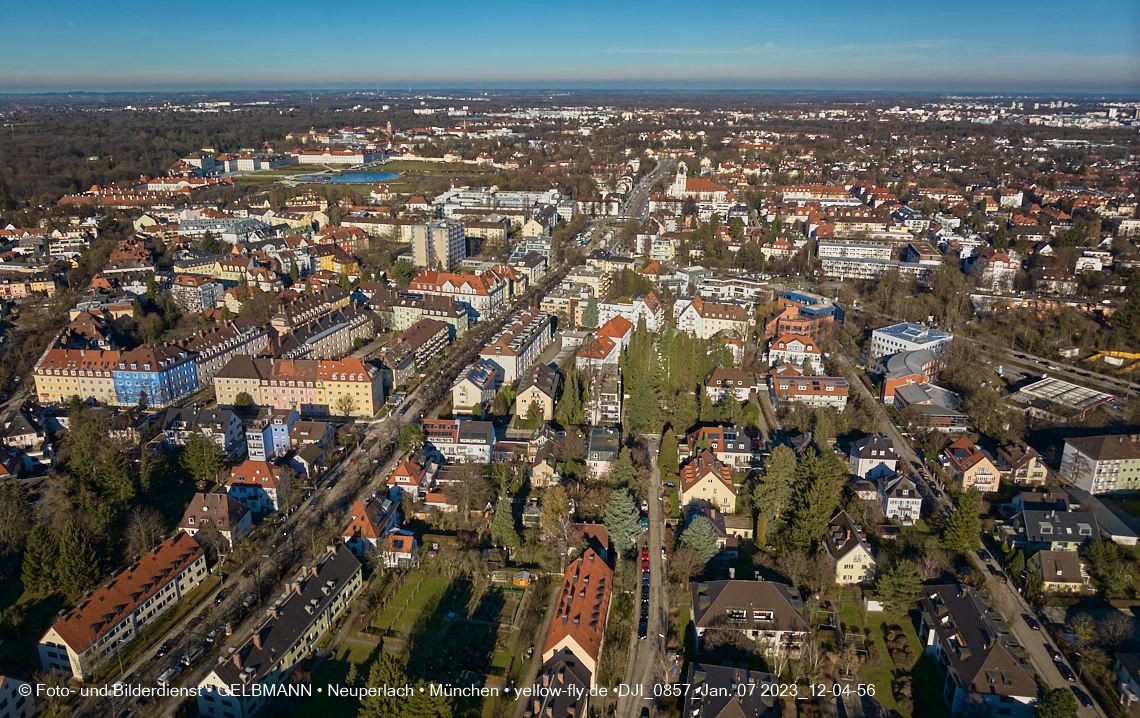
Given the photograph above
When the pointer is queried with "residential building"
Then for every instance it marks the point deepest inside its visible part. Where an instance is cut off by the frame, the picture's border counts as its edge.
(905, 337)
(1053, 530)
(986, 670)
(804, 313)
(847, 545)
(221, 426)
(704, 319)
(730, 382)
(900, 499)
(439, 245)
(460, 441)
(1058, 571)
(1128, 679)
(268, 437)
(579, 621)
(17, 699)
(410, 477)
(213, 348)
(717, 691)
(850, 269)
(602, 450)
(563, 688)
(706, 482)
(605, 347)
(970, 466)
(519, 343)
(310, 433)
(853, 250)
(1102, 464)
(538, 386)
(764, 611)
(809, 390)
(605, 401)
(259, 485)
(156, 377)
(87, 373)
(293, 626)
(230, 517)
(799, 351)
(872, 457)
(1021, 464)
(640, 308)
(483, 294)
(399, 549)
(729, 444)
(107, 620)
(372, 520)
(309, 386)
(476, 386)
(196, 292)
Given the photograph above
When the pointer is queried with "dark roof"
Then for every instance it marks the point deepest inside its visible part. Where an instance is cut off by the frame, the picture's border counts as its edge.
(844, 536)
(555, 699)
(1106, 448)
(541, 377)
(977, 642)
(713, 599)
(874, 447)
(714, 693)
(1049, 526)
(281, 632)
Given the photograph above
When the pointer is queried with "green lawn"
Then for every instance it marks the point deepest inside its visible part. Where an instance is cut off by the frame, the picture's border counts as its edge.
(417, 591)
(322, 705)
(931, 705)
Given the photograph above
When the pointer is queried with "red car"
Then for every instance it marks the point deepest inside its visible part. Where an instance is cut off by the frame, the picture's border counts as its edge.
(645, 564)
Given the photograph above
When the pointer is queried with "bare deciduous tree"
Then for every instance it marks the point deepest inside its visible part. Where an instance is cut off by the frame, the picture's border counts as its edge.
(145, 530)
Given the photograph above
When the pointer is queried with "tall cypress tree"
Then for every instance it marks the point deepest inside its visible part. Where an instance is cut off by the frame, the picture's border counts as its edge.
(622, 521)
(78, 565)
(41, 558)
(667, 460)
(503, 525)
(964, 528)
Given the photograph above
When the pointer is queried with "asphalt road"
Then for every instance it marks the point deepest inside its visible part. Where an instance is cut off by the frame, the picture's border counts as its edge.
(645, 665)
(1034, 643)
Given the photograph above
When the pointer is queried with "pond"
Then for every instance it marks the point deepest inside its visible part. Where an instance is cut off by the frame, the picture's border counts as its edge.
(351, 178)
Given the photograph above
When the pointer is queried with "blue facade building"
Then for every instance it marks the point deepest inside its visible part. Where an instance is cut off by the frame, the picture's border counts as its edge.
(158, 377)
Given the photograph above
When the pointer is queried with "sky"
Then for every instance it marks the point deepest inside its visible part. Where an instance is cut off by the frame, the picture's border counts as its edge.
(1045, 46)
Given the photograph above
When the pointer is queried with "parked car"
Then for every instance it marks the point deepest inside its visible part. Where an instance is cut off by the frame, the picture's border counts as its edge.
(163, 649)
(212, 635)
(220, 597)
(192, 655)
(1031, 621)
(1053, 653)
(1066, 672)
(983, 554)
(168, 676)
(249, 600)
(1082, 697)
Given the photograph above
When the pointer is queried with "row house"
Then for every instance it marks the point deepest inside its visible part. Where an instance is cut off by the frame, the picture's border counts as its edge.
(517, 346)
(157, 377)
(214, 347)
(87, 373)
(309, 386)
(483, 294)
(109, 619)
(241, 685)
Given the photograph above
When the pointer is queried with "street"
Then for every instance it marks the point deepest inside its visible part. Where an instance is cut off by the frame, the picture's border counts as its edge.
(645, 665)
(1034, 643)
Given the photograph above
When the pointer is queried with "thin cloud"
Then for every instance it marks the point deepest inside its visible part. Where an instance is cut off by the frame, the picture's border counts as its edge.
(894, 46)
(656, 51)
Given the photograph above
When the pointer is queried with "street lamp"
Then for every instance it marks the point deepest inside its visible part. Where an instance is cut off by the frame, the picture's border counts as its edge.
(119, 653)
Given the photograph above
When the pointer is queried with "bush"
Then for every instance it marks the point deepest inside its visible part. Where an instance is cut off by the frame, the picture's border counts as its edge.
(873, 658)
(900, 649)
(903, 690)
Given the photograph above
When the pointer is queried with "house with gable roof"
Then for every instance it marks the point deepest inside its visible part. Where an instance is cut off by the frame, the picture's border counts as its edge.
(705, 481)
(259, 485)
(372, 520)
(847, 545)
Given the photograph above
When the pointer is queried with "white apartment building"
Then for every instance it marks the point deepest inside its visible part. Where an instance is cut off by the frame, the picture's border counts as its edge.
(906, 337)
(853, 250)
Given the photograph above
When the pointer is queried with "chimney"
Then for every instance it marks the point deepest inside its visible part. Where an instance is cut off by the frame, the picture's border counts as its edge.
(237, 660)
(257, 641)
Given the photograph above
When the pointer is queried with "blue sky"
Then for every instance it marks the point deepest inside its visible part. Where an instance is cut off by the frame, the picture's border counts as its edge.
(965, 45)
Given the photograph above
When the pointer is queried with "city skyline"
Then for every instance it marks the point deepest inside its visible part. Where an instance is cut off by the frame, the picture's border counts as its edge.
(970, 47)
